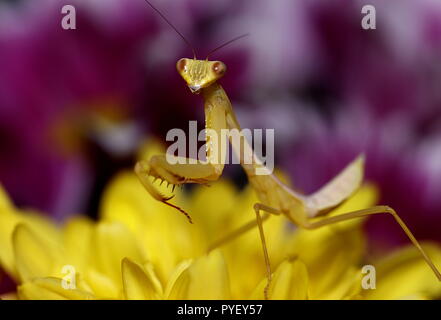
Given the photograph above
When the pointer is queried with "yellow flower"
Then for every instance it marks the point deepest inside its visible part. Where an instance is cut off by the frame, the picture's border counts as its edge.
(142, 249)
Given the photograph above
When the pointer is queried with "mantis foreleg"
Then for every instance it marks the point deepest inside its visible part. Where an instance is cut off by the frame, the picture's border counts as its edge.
(179, 170)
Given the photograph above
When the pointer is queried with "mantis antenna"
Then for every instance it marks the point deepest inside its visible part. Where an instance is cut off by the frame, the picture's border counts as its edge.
(171, 25)
(227, 43)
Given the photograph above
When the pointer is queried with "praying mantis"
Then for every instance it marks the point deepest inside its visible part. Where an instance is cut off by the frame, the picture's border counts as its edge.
(275, 198)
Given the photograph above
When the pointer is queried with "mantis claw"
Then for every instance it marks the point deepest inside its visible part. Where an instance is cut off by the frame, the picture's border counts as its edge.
(144, 171)
(179, 209)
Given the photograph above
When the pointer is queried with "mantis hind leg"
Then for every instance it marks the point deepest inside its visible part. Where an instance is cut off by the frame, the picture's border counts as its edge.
(318, 224)
(259, 220)
(370, 211)
(236, 233)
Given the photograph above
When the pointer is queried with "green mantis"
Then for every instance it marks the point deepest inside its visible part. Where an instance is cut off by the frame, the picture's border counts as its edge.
(275, 198)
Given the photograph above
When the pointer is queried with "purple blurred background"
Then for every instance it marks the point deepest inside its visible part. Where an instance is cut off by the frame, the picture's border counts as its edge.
(75, 105)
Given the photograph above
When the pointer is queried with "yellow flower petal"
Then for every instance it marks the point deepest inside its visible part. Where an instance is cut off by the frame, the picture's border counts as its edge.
(290, 282)
(102, 285)
(50, 289)
(138, 284)
(405, 275)
(40, 224)
(177, 288)
(347, 288)
(5, 201)
(34, 255)
(365, 197)
(206, 278)
(112, 242)
(8, 221)
(10, 217)
(330, 255)
(223, 199)
(77, 236)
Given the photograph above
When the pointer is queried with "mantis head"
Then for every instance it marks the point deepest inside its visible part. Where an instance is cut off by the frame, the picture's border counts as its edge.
(199, 74)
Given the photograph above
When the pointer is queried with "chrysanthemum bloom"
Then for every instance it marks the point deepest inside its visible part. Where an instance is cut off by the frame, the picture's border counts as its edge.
(141, 249)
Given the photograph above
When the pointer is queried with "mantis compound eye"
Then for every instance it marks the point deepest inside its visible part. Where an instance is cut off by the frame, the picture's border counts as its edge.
(219, 68)
(180, 65)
